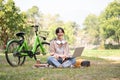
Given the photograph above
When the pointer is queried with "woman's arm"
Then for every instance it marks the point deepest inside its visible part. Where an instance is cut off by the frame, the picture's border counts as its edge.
(52, 48)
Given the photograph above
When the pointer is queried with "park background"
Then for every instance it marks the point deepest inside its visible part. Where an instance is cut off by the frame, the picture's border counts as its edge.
(98, 32)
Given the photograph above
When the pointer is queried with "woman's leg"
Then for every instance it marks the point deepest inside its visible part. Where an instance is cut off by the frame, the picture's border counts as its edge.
(53, 61)
(69, 62)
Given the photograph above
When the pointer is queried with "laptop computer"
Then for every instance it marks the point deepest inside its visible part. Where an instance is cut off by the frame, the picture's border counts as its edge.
(78, 51)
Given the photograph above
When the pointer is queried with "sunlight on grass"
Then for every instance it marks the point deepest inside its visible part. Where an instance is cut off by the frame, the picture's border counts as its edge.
(99, 53)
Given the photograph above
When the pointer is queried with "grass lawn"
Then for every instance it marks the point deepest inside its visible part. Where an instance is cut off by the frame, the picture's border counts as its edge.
(100, 69)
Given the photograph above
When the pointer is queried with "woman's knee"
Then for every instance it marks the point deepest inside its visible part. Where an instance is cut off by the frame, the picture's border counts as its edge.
(50, 58)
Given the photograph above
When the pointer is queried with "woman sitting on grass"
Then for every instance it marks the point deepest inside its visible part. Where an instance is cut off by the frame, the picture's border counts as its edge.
(59, 51)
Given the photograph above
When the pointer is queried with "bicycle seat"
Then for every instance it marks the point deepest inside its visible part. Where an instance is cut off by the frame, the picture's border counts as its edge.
(20, 34)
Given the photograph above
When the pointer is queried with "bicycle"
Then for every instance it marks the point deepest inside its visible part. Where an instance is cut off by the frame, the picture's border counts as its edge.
(17, 50)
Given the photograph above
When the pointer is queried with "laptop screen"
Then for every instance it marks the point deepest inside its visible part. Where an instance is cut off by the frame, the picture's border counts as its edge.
(78, 51)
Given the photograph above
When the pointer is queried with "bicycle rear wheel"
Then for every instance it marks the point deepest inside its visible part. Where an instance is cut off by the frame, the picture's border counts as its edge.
(22, 59)
(12, 54)
(46, 46)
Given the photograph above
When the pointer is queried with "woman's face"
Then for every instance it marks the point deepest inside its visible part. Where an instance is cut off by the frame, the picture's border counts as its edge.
(60, 34)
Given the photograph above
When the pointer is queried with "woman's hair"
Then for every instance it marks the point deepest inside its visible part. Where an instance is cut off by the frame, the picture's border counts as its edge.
(58, 29)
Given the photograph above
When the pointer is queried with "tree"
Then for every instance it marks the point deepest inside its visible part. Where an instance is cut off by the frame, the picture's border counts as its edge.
(110, 21)
(11, 20)
(69, 27)
(33, 15)
(91, 28)
(47, 20)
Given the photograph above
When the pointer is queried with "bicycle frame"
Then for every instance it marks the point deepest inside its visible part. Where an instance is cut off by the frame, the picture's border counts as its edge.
(36, 43)
(25, 46)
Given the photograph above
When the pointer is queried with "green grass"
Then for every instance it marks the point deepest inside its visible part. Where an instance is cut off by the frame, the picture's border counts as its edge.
(100, 69)
(101, 53)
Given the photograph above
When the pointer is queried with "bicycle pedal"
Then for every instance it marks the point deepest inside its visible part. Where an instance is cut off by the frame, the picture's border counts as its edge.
(30, 54)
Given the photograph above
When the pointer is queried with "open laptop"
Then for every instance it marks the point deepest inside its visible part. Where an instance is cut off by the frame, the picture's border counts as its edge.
(78, 51)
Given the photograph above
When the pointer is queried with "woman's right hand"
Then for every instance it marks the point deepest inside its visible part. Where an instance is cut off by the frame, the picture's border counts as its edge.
(63, 56)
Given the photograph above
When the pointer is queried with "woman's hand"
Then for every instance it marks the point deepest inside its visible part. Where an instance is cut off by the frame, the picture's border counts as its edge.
(63, 56)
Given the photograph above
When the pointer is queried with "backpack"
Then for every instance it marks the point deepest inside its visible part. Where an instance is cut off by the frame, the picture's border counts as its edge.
(85, 63)
(81, 63)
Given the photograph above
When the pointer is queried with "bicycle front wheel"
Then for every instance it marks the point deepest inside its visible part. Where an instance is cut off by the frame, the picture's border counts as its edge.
(46, 46)
(12, 54)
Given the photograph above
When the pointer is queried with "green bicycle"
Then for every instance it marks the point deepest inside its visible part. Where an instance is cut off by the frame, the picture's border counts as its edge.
(17, 50)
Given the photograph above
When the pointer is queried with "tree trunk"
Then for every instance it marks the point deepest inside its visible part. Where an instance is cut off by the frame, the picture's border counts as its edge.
(118, 40)
(4, 37)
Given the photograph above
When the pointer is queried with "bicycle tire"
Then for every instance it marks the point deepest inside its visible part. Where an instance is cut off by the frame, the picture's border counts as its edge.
(45, 45)
(23, 60)
(11, 54)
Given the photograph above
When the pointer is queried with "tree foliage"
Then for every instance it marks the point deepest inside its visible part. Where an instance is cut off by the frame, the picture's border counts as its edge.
(33, 14)
(11, 20)
(105, 26)
(110, 21)
(91, 28)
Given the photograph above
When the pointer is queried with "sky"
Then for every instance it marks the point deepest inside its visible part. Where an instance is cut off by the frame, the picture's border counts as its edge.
(69, 10)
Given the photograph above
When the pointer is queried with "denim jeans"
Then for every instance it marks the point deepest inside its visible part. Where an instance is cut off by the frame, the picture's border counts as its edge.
(59, 62)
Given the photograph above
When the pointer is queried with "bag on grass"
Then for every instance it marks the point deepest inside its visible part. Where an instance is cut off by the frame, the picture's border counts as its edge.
(85, 63)
(78, 63)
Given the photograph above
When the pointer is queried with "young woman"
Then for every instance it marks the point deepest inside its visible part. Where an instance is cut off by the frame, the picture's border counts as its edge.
(59, 51)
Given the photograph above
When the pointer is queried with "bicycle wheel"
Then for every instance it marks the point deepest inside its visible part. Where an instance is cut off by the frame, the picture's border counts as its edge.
(12, 54)
(38, 51)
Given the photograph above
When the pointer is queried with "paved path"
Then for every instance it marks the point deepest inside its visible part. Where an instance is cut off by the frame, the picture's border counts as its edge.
(111, 58)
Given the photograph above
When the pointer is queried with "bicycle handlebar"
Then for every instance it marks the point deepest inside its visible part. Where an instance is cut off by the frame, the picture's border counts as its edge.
(36, 29)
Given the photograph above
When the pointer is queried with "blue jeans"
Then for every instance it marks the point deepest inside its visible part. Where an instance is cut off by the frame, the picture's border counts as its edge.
(59, 62)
